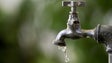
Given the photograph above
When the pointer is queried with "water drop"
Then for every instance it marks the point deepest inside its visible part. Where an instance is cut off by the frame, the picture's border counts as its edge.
(66, 58)
(64, 50)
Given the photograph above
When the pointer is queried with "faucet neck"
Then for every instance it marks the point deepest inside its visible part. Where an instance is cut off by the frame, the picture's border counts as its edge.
(73, 22)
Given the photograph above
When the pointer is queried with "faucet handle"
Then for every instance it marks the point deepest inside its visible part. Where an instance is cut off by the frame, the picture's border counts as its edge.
(73, 4)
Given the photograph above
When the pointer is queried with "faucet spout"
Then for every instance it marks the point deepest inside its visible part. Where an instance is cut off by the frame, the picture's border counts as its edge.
(60, 39)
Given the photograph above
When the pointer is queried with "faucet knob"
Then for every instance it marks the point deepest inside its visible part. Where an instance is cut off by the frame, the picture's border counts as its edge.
(73, 4)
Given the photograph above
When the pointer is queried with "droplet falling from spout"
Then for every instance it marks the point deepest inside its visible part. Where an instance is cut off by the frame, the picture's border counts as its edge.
(64, 50)
(66, 57)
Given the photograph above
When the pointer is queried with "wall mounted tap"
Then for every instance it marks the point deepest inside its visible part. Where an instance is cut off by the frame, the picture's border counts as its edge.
(101, 33)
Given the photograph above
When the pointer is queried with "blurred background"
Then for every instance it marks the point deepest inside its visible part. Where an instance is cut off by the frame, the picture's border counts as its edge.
(28, 27)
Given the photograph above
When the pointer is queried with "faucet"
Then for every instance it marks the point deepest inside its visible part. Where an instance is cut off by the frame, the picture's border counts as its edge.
(101, 33)
(73, 29)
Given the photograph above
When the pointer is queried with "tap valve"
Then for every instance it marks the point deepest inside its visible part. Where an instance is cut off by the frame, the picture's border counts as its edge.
(101, 33)
(73, 30)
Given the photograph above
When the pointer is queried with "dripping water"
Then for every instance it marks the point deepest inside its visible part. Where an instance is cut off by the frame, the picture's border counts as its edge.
(64, 50)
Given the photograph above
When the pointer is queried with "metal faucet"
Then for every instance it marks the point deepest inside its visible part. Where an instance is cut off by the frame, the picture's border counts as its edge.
(73, 29)
(101, 33)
